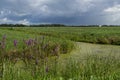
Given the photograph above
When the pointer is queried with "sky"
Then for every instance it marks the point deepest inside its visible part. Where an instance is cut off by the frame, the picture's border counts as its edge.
(69, 12)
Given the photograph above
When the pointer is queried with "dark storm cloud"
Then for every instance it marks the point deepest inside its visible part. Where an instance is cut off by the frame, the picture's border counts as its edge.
(73, 12)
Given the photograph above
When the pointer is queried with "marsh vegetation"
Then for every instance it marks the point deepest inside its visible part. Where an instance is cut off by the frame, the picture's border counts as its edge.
(56, 53)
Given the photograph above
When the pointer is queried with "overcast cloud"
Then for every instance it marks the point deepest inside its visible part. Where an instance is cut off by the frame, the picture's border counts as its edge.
(73, 12)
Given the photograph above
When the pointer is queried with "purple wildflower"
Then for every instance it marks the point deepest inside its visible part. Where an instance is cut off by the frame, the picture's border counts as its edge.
(3, 42)
(29, 42)
(4, 37)
(15, 43)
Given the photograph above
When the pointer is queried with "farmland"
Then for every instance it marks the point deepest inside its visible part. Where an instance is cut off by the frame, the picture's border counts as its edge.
(58, 53)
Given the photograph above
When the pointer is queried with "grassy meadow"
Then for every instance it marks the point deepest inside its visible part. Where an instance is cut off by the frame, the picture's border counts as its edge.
(58, 53)
(102, 35)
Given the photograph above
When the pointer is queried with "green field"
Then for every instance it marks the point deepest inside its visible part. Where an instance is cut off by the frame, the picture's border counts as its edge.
(102, 35)
(58, 53)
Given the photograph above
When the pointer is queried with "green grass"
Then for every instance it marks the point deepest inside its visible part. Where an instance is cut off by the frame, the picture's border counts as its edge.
(102, 35)
(57, 54)
(21, 36)
(93, 67)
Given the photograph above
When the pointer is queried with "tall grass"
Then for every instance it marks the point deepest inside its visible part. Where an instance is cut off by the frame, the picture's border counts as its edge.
(32, 57)
(93, 67)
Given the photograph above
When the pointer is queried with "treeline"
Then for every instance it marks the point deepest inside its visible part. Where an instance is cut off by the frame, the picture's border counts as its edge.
(39, 25)
(55, 25)
(96, 26)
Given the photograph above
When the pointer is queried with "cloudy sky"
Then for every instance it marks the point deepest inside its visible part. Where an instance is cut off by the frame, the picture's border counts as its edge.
(71, 12)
